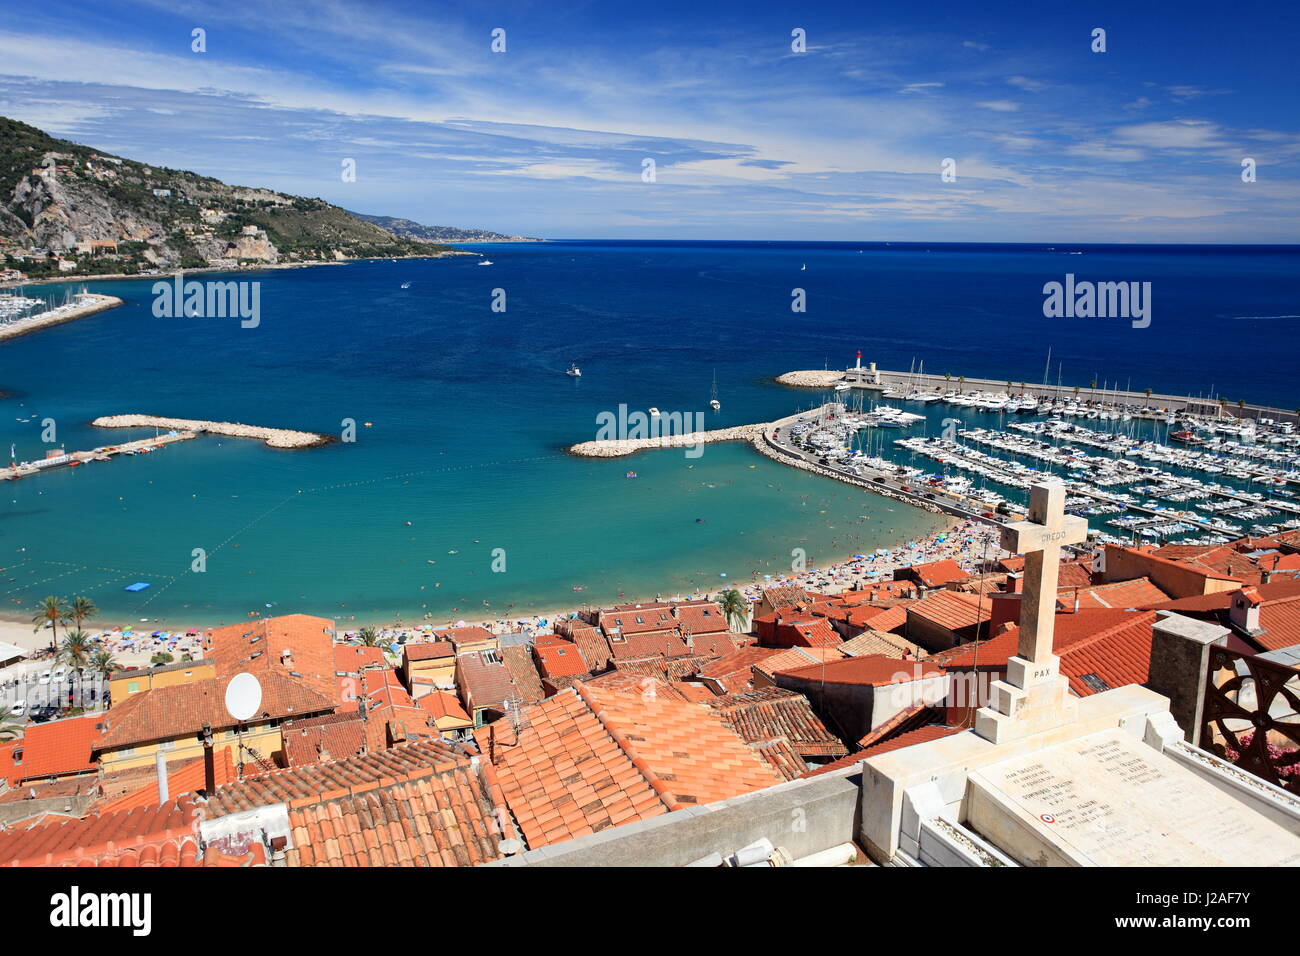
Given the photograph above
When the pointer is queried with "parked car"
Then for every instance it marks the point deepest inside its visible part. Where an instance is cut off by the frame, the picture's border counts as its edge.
(45, 677)
(18, 709)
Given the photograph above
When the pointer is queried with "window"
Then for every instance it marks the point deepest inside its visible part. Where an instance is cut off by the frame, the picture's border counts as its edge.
(132, 686)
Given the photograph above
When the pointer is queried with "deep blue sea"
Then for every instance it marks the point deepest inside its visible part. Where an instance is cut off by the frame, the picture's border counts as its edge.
(471, 411)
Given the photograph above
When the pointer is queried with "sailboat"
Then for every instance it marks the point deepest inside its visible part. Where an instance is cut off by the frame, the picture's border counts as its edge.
(574, 370)
(713, 399)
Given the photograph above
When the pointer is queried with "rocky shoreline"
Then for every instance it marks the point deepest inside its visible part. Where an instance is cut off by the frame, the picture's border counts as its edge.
(273, 437)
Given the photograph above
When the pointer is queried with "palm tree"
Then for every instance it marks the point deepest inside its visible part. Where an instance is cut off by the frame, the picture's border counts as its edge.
(54, 611)
(368, 637)
(82, 609)
(75, 650)
(102, 663)
(734, 607)
(9, 728)
(160, 659)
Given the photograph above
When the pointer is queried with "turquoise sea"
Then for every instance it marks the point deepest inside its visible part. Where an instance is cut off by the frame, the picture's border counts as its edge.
(471, 411)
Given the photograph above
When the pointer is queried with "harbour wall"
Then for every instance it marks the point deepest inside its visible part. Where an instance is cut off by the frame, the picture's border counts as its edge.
(46, 319)
(274, 437)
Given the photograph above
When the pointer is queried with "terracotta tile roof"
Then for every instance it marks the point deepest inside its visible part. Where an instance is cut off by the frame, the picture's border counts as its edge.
(690, 690)
(566, 776)
(734, 671)
(782, 757)
(463, 635)
(888, 620)
(918, 736)
(797, 657)
(528, 682)
(166, 713)
(594, 648)
(428, 651)
(1119, 594)
(636, 619)
(563, 659)
(701, 619)
(882, 643)
(635, 682)
(1279, 620)
(297, 644)
(138, 789)
(59, 747)
(784, 595)
(443, 819)
(766, 714)
(874, 670)
(935, 574)
(714, 645)
(154, 836)
(817, 633)
(333, 737)
(312, 783)
(589, 759)
(650, 644)
(354, 658)
(417, 804)
(951, 610)
(1222, 600)
(441, 704)
(677, 668)
(484, 679)
(1096, 647)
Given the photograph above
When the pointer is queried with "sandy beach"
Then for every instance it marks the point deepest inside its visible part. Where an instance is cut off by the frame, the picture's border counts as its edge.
(969, 543)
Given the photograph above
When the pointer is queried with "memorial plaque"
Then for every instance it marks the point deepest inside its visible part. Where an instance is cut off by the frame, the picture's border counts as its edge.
(1108, 799)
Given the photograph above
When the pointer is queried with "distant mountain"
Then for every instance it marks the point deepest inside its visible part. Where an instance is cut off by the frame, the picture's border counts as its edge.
(70, 209)
(409, 229)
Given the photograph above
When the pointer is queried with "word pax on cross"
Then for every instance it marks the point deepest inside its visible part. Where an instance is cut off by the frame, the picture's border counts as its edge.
(1040, 539)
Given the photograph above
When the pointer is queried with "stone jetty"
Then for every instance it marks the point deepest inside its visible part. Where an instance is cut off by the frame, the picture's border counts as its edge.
(811, 378)
(274, 437)
(615, 448)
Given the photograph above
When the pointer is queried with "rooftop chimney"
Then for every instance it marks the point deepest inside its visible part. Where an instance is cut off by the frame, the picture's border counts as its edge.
(1244, 610)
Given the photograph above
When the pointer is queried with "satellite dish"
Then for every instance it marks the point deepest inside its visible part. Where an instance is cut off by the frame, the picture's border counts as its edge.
(243, 697)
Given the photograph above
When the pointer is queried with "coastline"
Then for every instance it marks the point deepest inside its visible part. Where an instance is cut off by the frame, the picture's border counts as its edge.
(16, 627)
(261, 267)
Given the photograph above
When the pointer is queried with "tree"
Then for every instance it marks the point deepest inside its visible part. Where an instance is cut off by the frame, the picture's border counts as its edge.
(9, 727)
(368, 637)
(160, 659)
(103, 663)
(75, 649)
(82, 609)
(53, 611)
(734, 607)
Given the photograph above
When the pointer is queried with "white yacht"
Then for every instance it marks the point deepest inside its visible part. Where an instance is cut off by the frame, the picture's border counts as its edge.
(574, 371)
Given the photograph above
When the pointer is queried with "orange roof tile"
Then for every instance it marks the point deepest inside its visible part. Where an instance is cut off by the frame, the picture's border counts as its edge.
(153, 836)
(876, 670)
(165, 713)
(297, 644)
(59, 747)
(187, 776)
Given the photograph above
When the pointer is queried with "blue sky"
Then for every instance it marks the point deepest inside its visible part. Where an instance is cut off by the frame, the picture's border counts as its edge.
(1142, 143)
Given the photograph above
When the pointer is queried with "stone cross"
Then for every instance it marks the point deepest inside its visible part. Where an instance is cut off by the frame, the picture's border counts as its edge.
(1040, 540)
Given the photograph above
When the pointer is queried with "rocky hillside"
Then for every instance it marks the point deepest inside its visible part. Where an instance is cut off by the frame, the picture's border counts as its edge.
(70, 209)
(410, 229)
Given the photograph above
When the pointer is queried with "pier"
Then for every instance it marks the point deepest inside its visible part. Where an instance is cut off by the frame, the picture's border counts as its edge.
(1155, 405)
(60, 459)
(273, 437)
(87, 303)
(616, 448)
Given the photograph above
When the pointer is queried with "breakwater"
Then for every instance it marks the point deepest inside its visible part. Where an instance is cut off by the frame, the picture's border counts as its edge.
(615, 448)
(85, 304)
(274, 437)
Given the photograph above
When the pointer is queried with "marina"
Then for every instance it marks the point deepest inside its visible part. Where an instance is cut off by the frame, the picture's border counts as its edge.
(1191, 474)
(21, 314)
